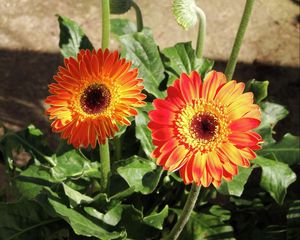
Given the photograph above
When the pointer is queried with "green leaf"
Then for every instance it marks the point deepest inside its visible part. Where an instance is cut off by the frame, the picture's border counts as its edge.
(33, 180)
(272, 113)
(132, 221)
(34, 131)
(23, 220)
(276, 177)
(207, 226)
(182, 59)
(122, 26)
(140, 173)
(71, 38)
(76, 197)
(287, 150)
(143, 133)
(141, 49)
(72, 164)
(236, 186)
(81, 224)
(259, 89)
(155, 219)
(112, 217)
(185, 12)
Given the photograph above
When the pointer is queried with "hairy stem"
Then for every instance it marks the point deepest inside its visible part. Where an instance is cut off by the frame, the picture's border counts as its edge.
(105, 165)
(105, 24)
(230, 67)
(201, 33)
(186, 212)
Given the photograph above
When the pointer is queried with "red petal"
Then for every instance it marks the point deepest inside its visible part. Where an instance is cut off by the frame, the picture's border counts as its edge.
(244, 124)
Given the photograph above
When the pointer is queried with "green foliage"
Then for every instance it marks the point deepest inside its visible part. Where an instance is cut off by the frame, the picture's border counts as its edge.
(156, 219)
(71, 38)
(210, 225)
(259, 89)
(24, 220)
(143, 133)
(58, 194)
(78, 221)
(287, 150)
(141, 49)
(236, 186)
(140, 173)
(272, 113)
(276, 177)
(182, 59)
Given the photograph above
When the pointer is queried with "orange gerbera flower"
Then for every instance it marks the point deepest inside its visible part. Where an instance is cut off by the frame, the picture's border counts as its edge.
(93, 94)
(204, 130)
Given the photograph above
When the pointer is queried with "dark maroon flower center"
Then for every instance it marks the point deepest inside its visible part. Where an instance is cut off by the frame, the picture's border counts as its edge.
(204, 126)
(95, 99)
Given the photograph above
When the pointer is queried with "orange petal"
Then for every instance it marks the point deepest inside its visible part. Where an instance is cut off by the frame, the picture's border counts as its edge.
(232, 153)
(214, 165)
(177, 155)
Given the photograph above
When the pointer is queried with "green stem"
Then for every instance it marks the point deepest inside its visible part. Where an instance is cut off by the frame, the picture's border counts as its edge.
(139, 17)
(105, 24)
(105, 165)
(117, 145)
(186, 212)
(230, 67)
(201, 33)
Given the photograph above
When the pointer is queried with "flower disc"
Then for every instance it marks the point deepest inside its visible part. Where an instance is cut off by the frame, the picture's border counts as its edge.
(205, 129)
(92, 95)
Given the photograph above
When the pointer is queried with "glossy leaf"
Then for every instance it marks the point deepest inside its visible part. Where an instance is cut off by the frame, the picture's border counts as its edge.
(32, 181)
(207, 226)
(259, 89)
(141, 49)
(276, 177)
(71, 38)
(81, 224)
(155, 219)
(112, 217)
(272, 113)
(140, 173)
(181, 58)
(236, 186)
(72, 164)
(75, 197)
(143, 133)
(287, 150)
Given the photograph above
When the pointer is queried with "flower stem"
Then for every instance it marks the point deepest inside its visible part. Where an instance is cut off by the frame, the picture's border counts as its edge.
(186, 212)
(105, 165)
(105, 24)
(139, 17)
(230, 67)
(201, 33)
(104, 148)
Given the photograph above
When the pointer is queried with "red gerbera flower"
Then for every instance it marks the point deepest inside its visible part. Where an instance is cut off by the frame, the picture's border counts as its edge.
(205, 130)
(93, 94)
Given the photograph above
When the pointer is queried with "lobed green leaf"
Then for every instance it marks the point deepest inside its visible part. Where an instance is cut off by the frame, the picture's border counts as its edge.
(276, 177)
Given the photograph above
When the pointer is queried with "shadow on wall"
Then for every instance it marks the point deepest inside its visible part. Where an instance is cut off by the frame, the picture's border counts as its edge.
(25, 75)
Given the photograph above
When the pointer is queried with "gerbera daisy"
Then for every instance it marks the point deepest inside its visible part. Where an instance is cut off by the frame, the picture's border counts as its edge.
(205, 129)
(93, 94)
